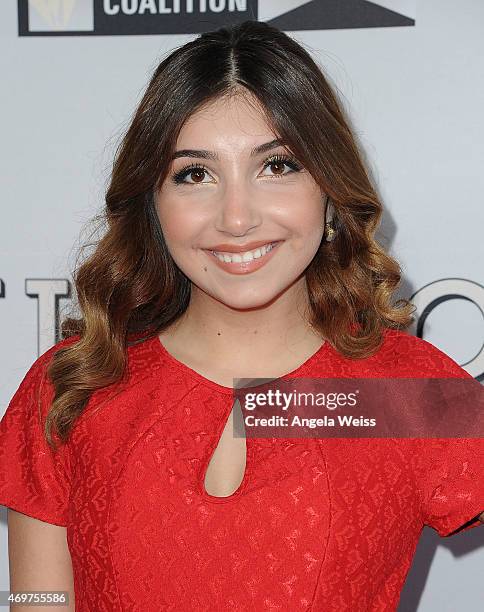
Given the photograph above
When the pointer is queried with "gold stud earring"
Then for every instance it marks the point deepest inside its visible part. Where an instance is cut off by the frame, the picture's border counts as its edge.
(329, 230)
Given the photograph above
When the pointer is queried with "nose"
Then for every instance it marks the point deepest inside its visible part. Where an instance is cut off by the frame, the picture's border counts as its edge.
(239, 213)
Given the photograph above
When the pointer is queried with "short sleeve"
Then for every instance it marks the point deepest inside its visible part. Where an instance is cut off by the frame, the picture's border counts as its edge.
(34, 479)
(452, 483)
(450, 470)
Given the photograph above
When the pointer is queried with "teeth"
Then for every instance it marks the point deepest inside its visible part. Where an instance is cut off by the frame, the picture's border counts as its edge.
(244, 257)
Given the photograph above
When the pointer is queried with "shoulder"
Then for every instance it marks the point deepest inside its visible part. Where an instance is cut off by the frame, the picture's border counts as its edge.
(415, 357)
(37, 372)
(40, 364)
(35, 390)
(135, 353)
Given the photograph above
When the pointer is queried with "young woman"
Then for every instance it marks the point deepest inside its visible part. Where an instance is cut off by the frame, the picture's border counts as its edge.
(240, 243)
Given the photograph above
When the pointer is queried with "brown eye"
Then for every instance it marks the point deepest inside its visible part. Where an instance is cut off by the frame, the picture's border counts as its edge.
(197, 175)
(194, 171)
(279, 167)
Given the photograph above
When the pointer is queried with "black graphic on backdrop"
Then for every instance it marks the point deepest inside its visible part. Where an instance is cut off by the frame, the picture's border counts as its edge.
(136, 17)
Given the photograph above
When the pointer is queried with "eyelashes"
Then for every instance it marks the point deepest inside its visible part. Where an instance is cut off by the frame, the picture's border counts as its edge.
(179, 177)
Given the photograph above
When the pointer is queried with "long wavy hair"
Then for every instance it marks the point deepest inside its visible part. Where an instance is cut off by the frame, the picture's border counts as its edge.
(130, 289)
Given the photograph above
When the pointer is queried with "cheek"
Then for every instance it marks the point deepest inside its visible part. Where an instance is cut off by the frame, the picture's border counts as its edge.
(178, 225)
(307, 227)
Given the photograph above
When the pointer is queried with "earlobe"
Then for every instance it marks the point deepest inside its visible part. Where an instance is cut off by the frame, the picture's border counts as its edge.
(328, 210)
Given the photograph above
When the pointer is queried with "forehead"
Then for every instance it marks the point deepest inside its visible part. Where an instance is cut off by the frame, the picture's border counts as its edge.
(236, 120)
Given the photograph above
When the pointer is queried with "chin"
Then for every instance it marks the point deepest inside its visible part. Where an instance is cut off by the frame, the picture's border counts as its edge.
(245, 299)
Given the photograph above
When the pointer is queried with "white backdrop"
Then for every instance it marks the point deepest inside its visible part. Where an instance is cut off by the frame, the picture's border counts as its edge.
(415, 95)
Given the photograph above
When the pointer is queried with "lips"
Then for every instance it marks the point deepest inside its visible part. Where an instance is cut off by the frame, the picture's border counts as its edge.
(241, 248)
(244, 267)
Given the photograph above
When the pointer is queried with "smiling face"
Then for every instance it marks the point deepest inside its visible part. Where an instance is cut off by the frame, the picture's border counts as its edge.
(227, 190)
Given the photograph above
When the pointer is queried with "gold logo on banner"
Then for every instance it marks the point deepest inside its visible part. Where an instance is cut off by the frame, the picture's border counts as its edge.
(56, 13)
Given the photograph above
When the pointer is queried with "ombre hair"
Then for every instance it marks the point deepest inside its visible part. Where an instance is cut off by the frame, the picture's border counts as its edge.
(129, 288)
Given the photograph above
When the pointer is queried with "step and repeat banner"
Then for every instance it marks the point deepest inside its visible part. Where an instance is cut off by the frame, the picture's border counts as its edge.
(412, 80)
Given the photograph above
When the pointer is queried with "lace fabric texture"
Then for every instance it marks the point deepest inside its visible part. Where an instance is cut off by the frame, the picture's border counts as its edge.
(328, 524)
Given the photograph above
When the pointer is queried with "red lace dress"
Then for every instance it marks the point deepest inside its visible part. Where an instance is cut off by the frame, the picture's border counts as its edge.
(321, 524)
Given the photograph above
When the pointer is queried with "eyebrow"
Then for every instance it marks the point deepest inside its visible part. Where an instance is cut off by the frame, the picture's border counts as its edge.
(267, 146)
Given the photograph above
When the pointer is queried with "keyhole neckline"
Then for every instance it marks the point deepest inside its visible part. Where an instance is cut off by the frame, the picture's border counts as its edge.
(212, 449)
(161, 351)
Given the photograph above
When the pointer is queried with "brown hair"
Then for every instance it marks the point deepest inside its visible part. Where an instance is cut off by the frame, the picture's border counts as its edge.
(130, 289)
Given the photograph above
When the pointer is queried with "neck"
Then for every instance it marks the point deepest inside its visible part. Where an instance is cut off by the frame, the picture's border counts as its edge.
(212, 328)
